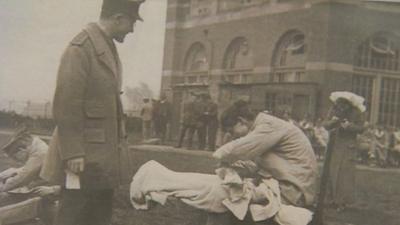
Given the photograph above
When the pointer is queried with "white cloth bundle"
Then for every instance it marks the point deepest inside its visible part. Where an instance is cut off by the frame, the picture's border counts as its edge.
(212, 193)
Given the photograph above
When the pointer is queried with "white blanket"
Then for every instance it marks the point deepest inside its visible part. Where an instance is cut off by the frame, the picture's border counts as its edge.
(154, 182)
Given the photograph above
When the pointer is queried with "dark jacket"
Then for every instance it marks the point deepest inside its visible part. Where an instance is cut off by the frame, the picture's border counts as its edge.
(342, 164)
(211, 112)
(88, 111)
(199, 109)
(189, 118)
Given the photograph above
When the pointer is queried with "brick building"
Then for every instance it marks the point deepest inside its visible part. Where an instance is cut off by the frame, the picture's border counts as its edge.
(284, 53)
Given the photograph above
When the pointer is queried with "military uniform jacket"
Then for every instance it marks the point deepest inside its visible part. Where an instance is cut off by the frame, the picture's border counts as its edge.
(189, 114)
(87, 111)
(282, 151)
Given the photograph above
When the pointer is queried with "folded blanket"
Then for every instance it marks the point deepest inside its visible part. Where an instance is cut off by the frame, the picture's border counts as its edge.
(214, 193)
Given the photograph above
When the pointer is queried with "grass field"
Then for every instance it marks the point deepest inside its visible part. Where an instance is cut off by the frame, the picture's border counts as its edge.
(372, 208)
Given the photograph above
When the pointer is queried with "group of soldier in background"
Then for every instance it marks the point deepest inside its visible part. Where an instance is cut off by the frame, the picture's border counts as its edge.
(376, 146)
(200, 116)
(156, 115)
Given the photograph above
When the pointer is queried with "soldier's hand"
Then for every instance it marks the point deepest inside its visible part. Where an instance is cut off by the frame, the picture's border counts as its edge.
(43, 191)
(76, 165)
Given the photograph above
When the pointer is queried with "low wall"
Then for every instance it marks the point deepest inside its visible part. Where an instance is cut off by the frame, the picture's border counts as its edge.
(175, 159)
(368, 180)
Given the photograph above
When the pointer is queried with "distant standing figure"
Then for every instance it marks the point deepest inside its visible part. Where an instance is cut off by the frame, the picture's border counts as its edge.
(391, 143)
(381, 145)
(188, 123)
(210, 121)
(164, 117)
(346, 120)
(306, 125)
(147, 116)
(321, 138)
(365, 144)
(199, 111)
(396, 147)
(156, 118)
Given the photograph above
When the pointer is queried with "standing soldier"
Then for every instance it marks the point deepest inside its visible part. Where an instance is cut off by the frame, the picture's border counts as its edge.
(199, 116)
(156, 117)
(88, 116)
(164, 116)
(211, 121)
(147, 116)
(188, 123)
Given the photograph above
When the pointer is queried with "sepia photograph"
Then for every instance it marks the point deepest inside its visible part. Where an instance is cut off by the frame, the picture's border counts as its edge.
(200, 112)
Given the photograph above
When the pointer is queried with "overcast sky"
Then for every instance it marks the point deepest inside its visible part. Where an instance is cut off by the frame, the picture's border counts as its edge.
(34, 34)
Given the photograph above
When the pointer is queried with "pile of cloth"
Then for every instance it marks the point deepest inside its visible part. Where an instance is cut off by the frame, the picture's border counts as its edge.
(224, 191)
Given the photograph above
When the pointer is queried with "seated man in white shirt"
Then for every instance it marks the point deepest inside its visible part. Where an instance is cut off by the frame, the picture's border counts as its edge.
(21, 189)
(267, 175)
(25, 149)
(279, 148)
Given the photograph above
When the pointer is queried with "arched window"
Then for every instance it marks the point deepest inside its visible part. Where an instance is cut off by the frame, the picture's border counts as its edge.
(289, 57)
(379, 52)
(196, 58)
(377, 76)
(238, 55)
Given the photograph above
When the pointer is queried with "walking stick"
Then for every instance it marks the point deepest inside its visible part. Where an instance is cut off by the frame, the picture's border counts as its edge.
(318, 218)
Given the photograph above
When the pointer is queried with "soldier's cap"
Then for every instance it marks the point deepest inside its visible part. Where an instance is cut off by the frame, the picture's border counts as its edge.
(11, 147)
(127, 7)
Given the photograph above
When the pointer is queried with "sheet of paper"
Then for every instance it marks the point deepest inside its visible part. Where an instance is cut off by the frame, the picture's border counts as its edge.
(72, 181)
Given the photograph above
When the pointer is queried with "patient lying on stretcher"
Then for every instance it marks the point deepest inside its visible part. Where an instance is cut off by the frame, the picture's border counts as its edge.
(276, 175)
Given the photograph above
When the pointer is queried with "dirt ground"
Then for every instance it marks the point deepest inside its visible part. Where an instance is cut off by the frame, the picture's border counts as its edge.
(385, 212)
(371, 209)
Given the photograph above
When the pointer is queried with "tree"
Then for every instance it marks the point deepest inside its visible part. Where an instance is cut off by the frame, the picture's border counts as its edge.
(136, 95)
